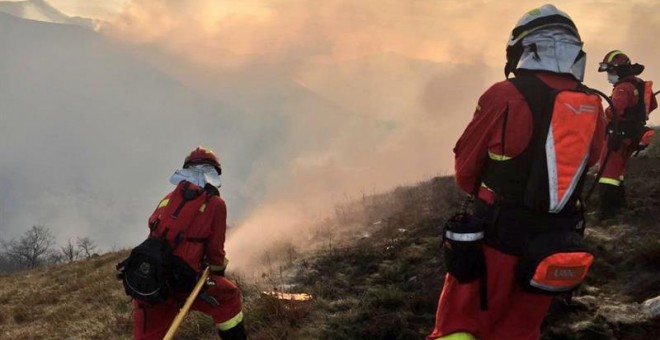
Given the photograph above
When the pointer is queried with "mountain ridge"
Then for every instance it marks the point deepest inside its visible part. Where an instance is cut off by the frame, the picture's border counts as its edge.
(41, 10)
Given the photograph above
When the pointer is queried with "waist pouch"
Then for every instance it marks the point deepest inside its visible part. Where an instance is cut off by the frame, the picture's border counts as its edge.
(510, 230)
(554, 262)
(463, 236)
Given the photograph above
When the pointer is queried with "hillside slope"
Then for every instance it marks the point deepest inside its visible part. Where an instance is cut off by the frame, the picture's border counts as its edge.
(384, 284)
(377, 277)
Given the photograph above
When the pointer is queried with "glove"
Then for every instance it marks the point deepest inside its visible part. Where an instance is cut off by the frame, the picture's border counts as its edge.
(219, 269)
(120, 267)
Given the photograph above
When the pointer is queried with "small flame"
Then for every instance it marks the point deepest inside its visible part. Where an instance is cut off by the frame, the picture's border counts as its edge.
(289, 296)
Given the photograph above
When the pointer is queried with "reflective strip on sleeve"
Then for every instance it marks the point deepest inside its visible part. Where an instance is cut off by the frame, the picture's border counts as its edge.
(219, 267)
(231, 323)
(163, 203)
(610, 181)
(202, 208)
(457, 336)
(497, 157)
(464, 237)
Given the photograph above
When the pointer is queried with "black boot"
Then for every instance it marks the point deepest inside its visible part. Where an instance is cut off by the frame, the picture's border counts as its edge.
(235, 333)
(612, 198)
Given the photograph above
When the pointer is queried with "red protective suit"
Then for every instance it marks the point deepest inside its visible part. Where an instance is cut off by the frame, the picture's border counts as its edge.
(208, 234)
(512, 313)
(624, 96)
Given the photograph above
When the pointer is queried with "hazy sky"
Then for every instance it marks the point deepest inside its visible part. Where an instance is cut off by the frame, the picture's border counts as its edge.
(330, 100)
(228, 31)
(420, 28)
(204, 31)
(97, 9)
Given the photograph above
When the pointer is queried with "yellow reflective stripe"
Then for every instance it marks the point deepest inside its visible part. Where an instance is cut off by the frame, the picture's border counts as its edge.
(207, 150)
(535, 12)
(164, 202)
(497, 157)
(614, 54)
(610, 181)
(219, 267)
(231, 323)
(202, 208)
(457, 336)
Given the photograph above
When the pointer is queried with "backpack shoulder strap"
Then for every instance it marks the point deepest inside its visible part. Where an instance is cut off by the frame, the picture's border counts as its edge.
(540, 99)
(187, 194)
(185, 203)
(537, 94)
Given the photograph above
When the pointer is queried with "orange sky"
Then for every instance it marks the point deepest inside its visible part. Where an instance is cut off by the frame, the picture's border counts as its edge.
(450, 30)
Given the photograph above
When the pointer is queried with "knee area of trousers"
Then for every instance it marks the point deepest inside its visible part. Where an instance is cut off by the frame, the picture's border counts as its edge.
(224, 288)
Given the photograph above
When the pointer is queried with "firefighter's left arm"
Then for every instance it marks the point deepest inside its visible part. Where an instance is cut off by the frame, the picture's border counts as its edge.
(215, 244)
(471, 149)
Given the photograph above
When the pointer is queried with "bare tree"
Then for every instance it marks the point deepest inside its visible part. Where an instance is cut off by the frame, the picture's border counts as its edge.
(54, 256)
(86, 246)
(70, 252)
(6, 264)
(32, 248)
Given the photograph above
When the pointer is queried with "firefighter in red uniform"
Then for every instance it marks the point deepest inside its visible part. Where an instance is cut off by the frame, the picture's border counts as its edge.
(205, 246)
(633, 100)
(493, 160)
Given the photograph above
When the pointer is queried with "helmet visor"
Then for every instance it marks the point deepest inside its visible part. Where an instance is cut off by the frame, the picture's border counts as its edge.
(602, 67)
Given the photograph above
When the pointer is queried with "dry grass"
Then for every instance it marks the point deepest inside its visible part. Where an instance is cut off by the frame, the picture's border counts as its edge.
(75, 301)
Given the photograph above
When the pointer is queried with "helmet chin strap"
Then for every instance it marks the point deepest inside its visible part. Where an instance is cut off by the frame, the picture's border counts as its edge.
(513, 54)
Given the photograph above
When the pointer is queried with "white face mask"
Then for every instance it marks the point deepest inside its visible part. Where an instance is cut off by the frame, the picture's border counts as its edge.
(199, 174)
(612, 78)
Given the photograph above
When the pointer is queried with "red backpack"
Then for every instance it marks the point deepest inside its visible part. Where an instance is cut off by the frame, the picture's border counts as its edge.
(556, 259)
(176, 212)
(538, 192)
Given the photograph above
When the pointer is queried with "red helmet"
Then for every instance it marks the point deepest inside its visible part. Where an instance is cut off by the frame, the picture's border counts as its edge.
(202, 155)
(612, 60)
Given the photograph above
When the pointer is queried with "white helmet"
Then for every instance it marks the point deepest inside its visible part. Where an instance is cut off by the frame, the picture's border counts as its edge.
(546, 39)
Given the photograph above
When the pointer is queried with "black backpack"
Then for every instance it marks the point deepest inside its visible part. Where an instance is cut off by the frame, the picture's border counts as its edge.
(152, 273)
